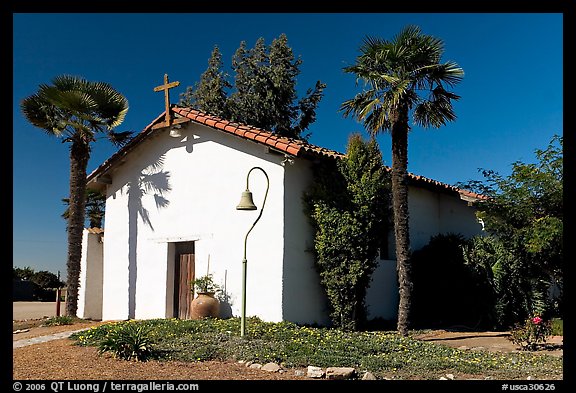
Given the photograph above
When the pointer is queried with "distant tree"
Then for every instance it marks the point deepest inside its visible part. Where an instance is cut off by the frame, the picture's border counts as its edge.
(264, 90)
(402, 77)
(25, 273)
(95, 208)
(43, 282)
(348, 208)
(524, 211)
(46, 280)
(75, 110)
(210, 94)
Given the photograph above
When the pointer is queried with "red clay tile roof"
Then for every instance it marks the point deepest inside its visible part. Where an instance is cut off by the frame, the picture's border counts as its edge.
(294, 147)
(291, 146)
(417, 179)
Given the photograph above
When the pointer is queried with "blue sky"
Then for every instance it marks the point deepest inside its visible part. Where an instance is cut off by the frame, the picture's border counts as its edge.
(511, 93)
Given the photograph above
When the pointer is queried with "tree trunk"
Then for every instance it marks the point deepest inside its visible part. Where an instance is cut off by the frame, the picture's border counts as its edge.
(79, 155)
(400, 208)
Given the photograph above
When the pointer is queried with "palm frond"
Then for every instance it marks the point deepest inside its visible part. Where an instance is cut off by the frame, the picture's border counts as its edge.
(69, 83)
(426, 50)
(370, 106)
(362, 104)
(371, 44)
(398, 92)
(433, 114)
(407, 35)
(378, 120)
(450, 73)
(437, 110)
(380, 80)
(38, 113)
(119, 138)
(111, 105)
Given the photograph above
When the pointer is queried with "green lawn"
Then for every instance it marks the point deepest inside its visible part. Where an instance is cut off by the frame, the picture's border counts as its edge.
(557, 327)
(384, 353)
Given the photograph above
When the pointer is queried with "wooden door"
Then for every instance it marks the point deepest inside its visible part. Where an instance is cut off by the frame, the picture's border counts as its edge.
(185, 285)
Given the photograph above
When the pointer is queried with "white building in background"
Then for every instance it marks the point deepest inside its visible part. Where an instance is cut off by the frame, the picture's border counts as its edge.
(174, 190)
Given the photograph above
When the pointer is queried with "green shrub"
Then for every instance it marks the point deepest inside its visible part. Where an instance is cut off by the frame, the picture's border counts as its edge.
(514, 293)
(129, 341)
(348, 207)
(59, 321)
(448, 292)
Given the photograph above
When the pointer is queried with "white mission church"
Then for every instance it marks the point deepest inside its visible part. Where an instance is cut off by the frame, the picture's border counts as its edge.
(172, 192)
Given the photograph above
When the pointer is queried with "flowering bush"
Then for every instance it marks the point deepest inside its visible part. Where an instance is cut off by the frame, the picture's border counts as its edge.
(534, 331)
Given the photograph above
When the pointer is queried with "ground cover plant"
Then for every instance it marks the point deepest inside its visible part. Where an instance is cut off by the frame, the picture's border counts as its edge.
(59, 321)
(384, 353)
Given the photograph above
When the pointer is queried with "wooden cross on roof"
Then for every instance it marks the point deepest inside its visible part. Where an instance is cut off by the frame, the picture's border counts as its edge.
(166, 87)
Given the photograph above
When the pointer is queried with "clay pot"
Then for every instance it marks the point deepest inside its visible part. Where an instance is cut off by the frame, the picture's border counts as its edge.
(205, 305)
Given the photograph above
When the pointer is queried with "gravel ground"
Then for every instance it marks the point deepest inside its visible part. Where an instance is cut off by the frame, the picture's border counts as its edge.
(60, 359)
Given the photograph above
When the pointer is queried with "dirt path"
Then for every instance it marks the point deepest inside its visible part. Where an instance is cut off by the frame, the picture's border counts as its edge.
(33, 310)
(489, 341)
(38, 331)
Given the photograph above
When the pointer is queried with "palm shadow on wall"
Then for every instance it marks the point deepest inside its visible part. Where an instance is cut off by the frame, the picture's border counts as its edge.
(152, 180)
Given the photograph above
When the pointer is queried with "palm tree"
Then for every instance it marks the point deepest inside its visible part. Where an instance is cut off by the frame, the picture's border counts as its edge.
(402, 77)
(74, 110)
(94, 209)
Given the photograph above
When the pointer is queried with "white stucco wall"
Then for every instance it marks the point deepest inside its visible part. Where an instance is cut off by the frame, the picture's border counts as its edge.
(186, 189)
(432, 213)
(304, 300)
(382, 295)
(90, 285)
(424, 213)
(457, 217)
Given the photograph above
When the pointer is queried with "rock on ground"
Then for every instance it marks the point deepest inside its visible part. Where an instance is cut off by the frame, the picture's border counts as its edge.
(256, 365)
(368, 376)
(271, 367)
(340, 372)
(315, 372)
